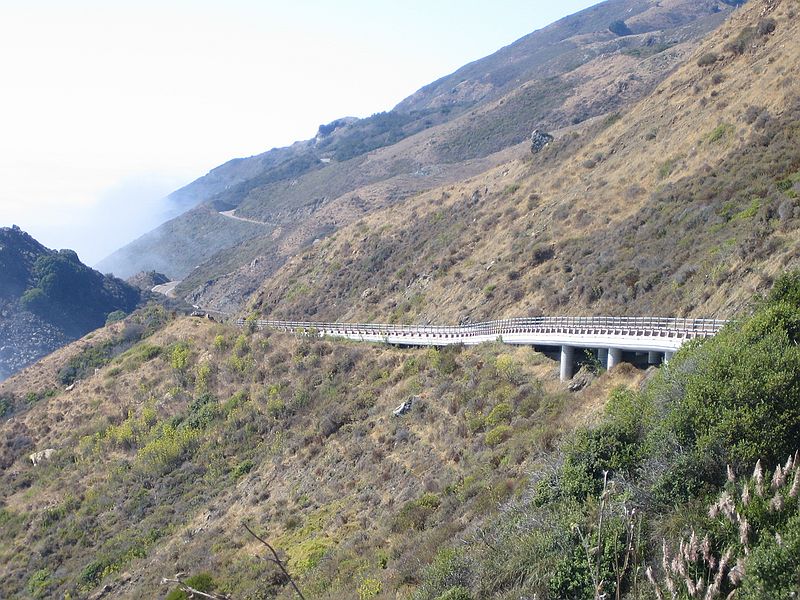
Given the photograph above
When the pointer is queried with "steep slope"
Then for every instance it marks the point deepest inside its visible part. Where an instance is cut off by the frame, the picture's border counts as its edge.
(166, 450)
(49, 298)
(683, 204)
(495, 483)
(573, 71)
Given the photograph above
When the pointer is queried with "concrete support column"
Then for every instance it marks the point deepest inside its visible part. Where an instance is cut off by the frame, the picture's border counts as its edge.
(614, 357)
(668, 356)
(653, 358)
(567, 357)
(602, 356)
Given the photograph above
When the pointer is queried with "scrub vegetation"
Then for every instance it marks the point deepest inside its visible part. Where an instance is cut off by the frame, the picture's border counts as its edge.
(498, 483)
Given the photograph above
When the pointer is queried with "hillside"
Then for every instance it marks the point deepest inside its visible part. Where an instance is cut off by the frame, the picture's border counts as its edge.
(49, 298)
(492, 485)
(143, 449)
(163, 453)
(683, 204)
(568, 73)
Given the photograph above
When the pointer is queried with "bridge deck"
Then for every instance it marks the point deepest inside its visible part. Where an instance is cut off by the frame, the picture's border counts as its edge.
(654, 334)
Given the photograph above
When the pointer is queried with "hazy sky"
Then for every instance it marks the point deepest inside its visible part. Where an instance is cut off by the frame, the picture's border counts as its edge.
(107, 106)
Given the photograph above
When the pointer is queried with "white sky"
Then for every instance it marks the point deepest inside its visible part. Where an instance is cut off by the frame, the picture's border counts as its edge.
(107, 106)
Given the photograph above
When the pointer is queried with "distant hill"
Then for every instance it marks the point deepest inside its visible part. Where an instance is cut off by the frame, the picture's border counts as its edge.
(283, 200)
(49, 298)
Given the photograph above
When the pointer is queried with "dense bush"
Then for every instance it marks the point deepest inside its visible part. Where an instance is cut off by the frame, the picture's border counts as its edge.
(659, 458)
(707, 59)
(202, 582)
(620, 28)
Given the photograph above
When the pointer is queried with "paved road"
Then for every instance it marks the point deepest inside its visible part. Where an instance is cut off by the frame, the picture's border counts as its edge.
(230, 214)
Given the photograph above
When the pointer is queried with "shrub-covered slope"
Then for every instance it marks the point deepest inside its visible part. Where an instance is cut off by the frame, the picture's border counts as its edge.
(684, 204)
(49, 298)
(570, 72)
(498, 483)
(164, 453)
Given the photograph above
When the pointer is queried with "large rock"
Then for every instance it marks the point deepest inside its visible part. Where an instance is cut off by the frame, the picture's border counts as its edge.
(539, 139)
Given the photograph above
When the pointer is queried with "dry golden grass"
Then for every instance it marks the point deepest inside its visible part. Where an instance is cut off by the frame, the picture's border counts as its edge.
(305, 487)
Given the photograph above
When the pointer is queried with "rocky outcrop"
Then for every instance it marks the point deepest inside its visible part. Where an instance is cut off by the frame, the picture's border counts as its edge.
(539, 140)
(147, 280)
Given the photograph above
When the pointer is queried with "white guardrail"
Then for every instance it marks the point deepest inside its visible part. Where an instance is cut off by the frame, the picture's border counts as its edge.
(631, 333)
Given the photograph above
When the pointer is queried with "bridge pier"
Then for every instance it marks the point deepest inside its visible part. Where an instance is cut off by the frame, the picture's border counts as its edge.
(653, 358)
(602, 356)
(668, 357)
(567, 357)
(614, 357)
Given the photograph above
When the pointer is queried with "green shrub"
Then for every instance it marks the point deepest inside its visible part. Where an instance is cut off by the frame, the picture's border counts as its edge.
(620, 28)
(456, 593)
(415, 514)
(220, 343)
(39, 582)
(202, 411)
(506, 367)
(202, 582)
(665, 169)
(179, 356)
(235, 401)
(241, 346)
(6, 405)
(369, 588)
(86, 361)
(475, 422)
(167, 449)
(276, 407)
(721, 131)
(94, 572)
(499, 414)
(115, 316)
(733, 399)
(202, 378)
(448, 570)
(707, 59)
(498, 435)
(773, 569)
(243, 468)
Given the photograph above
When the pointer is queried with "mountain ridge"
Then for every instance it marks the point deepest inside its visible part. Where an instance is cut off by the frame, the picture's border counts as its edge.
(371, 163)
(590, 224)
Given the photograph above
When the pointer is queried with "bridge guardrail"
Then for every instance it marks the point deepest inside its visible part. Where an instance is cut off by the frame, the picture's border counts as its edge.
(624, 325)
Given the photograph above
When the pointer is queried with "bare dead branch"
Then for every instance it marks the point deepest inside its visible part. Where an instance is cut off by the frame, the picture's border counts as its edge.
(275, 559)
(192, 592)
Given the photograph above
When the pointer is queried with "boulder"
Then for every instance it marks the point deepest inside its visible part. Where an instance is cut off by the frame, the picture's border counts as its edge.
(38, 457)
(539, 139)
(403, 408)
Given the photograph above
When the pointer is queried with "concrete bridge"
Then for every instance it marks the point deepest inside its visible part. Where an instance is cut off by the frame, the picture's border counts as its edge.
(607, 338)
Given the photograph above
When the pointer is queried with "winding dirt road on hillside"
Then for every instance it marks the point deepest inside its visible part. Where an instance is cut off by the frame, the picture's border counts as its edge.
(168, 289)
(230, 214)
